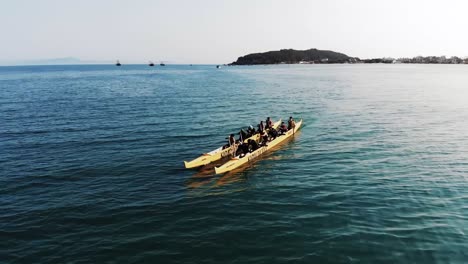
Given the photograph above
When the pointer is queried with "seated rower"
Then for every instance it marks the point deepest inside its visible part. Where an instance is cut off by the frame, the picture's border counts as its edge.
(291, 123)
(231, 141)
(253, 145)
(268, 123)
(242, 149)
(283, 129)
(250, 131)
(261, 127)
(273, 133)
(263, 138)
(242, 135)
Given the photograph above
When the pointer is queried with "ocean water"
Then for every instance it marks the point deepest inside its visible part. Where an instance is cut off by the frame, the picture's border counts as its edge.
(91, 165)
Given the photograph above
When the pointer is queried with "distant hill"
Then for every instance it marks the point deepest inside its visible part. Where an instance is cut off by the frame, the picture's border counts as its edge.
(290, 56)
(53, 61)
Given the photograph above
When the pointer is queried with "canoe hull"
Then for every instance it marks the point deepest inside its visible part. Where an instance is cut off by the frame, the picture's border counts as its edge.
(237, 162)
(207, 158)
(220, 153)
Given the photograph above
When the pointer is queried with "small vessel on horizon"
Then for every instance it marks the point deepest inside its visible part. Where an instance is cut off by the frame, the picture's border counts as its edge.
(118, 63)
(151, 63)
(162, 64)
(218, 66)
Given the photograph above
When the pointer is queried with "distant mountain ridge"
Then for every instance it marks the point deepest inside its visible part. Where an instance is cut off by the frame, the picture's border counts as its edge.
(291, 56)
(51, 61)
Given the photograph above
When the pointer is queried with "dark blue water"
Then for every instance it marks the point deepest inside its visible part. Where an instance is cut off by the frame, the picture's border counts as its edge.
(91, 165)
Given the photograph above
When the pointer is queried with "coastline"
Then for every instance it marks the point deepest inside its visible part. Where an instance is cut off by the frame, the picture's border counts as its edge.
(315, 56)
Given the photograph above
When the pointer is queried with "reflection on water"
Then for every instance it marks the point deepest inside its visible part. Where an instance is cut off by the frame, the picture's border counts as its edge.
(230, 178)
(203, 176)
(198, 183)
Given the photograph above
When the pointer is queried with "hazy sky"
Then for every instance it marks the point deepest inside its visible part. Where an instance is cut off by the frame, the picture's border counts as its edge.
(217, 31)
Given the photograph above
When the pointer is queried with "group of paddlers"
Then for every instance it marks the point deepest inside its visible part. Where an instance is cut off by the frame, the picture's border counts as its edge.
(267, 133)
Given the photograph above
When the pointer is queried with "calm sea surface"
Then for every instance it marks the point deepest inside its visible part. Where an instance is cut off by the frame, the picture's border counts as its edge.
(91, 165)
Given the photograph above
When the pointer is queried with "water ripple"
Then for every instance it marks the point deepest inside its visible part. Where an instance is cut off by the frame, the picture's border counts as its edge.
(91, 165)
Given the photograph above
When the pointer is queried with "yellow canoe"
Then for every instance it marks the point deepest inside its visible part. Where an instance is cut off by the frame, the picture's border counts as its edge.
(220, 153)
(237, 161)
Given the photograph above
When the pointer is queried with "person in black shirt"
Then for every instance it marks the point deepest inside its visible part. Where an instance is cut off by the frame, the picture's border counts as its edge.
(291, 123)
(250, 131)
(261, 127)
(252, 145)
(273, 133)
(268, 123)
(283, 129)
(231, 141)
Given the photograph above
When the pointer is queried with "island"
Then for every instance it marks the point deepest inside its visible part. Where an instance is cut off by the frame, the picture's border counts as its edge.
(290, 56)
(316, 56)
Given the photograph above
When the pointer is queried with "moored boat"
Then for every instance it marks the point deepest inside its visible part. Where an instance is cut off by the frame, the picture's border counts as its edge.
(220, 153)
(236, 162)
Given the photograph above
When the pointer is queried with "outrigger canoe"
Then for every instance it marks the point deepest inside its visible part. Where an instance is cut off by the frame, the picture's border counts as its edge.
(220, 153)
(238, 161)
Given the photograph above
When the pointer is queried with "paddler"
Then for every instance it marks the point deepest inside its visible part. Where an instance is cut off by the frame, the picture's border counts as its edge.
(242, 135)
(283, 129)
(264, 138)
(252, 145)
(242, 149)
(261, 127)
(291, 123)
(231, 141)
(272, 133)
(268, 123)
(250, 131)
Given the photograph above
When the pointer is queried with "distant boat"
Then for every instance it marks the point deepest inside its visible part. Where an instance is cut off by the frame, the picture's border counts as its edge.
(118, 63)
(217, 66)
(151, 64)
(162, 64)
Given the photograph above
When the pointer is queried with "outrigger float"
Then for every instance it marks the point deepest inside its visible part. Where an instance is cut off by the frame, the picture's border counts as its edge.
(236, 162)
(220, 153)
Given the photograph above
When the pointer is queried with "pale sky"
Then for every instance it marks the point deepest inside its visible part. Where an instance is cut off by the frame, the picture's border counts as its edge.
(219, 31)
